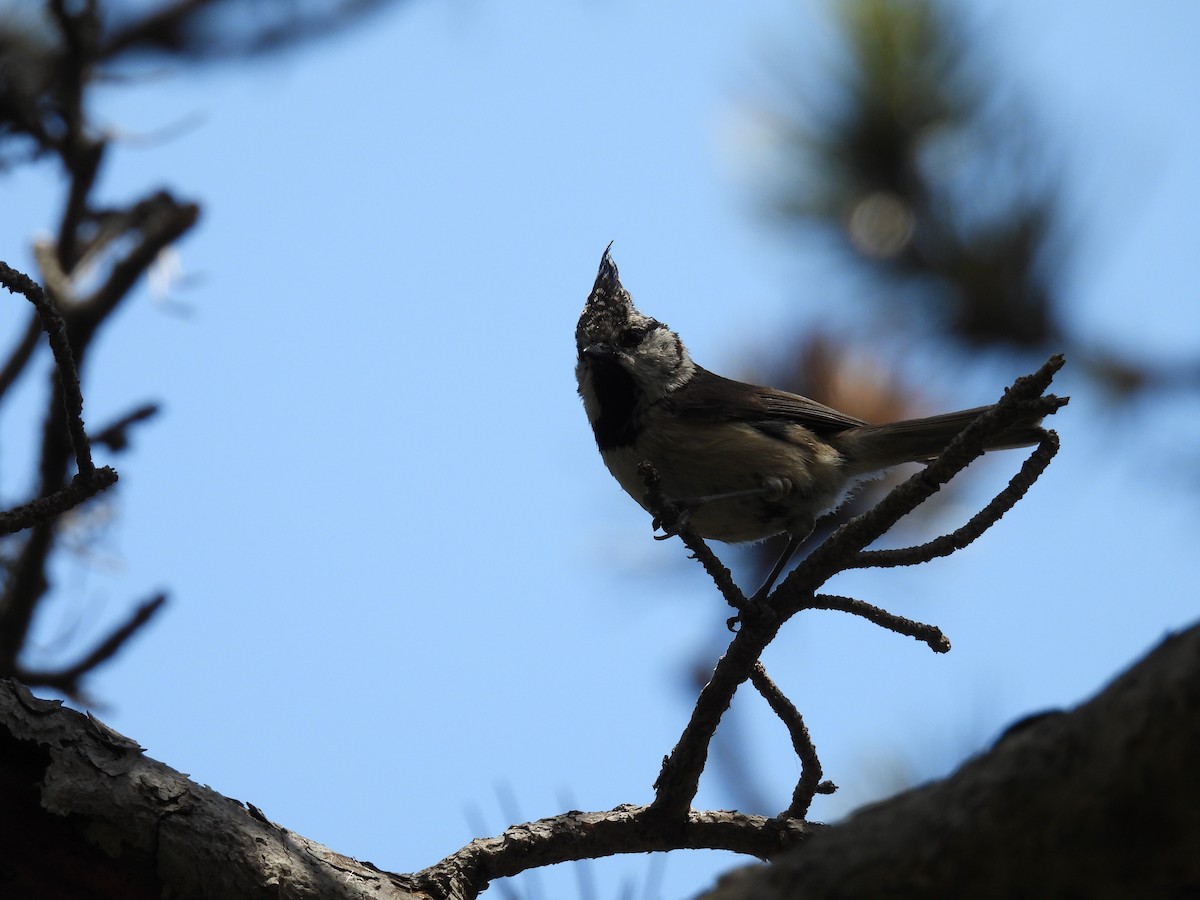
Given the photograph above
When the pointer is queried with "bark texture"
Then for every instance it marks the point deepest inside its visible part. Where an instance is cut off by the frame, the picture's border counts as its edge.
(1101, 802)
(85, 814)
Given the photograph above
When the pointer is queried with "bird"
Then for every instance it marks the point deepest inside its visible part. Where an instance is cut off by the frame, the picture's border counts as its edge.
(744, 462)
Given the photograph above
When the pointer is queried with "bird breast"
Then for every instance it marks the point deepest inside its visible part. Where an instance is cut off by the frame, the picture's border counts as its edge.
(799, 477)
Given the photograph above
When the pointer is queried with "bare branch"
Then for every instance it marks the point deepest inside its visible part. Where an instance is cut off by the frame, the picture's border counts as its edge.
(673, 520)
(55, 328)
(679, 777)
(26, 584)
(19, 358)
(979, 523)
(810, 783)
(1021, 402)
(579, 835)
(67, 680)
(161, 220)
(115, 435)
(44, 510)
(146, 228)
(927, 634)
(1099, 802)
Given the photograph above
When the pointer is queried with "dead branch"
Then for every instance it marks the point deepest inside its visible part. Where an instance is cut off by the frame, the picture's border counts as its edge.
(579, 835)
(1098, 802)
(810, 783)
(679, 778)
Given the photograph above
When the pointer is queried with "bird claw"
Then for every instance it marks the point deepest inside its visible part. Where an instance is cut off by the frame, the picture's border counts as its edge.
(673, 520)
(756, 608)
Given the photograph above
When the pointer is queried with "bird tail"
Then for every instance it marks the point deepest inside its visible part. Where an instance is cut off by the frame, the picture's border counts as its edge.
(871, 448)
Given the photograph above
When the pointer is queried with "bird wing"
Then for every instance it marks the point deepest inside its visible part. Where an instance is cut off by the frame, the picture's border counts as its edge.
(711, 397)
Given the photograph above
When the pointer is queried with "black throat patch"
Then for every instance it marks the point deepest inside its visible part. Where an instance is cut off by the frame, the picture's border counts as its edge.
(618, 398)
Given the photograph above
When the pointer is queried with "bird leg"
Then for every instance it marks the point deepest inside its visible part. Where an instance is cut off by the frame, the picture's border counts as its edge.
(685, 506)
(793, 544)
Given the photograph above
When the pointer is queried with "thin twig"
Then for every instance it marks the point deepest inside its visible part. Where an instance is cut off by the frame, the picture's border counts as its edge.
(115, 435)
(44, 509)
(19, 358)
(56, 331)
(67, 680)
(930, 635)
(1021, 402)
(674, 522)
(160, 220)
(979, 523)
(679, 778)
(810, 766)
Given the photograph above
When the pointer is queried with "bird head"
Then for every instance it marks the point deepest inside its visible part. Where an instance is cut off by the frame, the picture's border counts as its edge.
(621, 347)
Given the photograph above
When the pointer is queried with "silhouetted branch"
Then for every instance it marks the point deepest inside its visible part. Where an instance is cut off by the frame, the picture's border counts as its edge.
(43, 510)
(159, 220)
(978, 524)
(673, 518)
(1099, 802)
(579, 835)
(1021, 402)
(115, 435)
(47, 67)
(26, 581)
(926, 634)
(56, 331)
(67, 680)
(194, 28)
(810, 765)
(19, 358)
(679, 777)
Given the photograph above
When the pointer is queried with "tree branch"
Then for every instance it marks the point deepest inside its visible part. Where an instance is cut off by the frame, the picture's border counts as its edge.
(87, 814)
(67, 680)
(926, 634)
(64, 360)
(1098, 802)
(44, 510)
(1021, 402)
(810, 783)
(978, 524)
(115, 435)
(679, 777)
(579, 835)
(673, 520)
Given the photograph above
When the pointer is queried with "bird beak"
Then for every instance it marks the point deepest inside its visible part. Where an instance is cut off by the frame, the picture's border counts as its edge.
(599, 351)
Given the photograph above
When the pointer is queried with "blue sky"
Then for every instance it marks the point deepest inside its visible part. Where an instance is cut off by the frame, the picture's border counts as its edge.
(402, 583)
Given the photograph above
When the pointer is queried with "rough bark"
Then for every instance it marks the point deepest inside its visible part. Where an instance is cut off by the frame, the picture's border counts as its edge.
(1101, 802)
(85, 814)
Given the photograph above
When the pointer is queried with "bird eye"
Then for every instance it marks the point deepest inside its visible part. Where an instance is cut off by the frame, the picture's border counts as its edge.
(631, 337)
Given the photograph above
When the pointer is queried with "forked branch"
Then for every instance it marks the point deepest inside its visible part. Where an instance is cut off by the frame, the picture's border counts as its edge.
(978, 524)
(26, 585)
(669, 822)
(680, 776)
